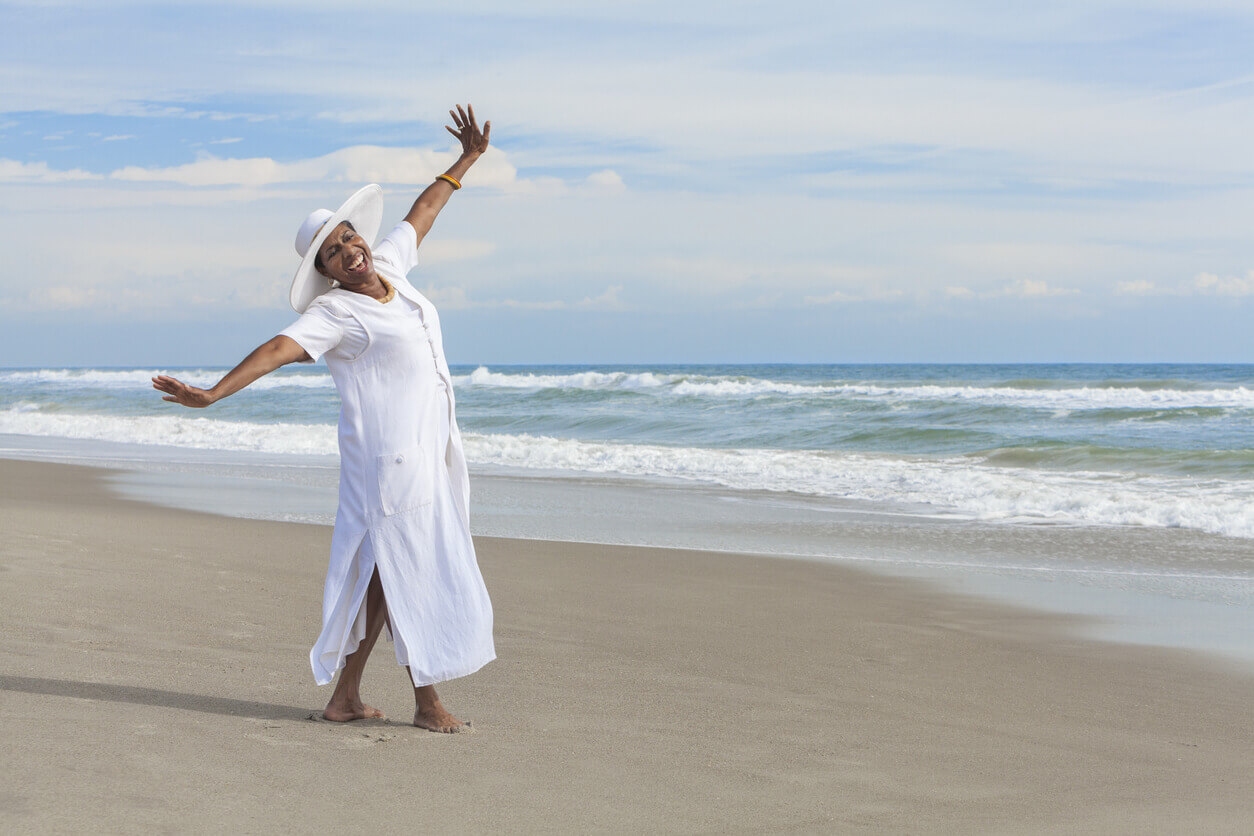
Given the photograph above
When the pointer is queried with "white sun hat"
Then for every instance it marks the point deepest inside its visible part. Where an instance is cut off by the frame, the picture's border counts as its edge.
(364, 210)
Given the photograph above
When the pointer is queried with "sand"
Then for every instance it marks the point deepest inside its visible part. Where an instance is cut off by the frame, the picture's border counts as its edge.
(155, 678)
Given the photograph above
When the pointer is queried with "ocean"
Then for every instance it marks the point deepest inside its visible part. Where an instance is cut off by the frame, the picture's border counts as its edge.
(943, 465)
(1149, 445)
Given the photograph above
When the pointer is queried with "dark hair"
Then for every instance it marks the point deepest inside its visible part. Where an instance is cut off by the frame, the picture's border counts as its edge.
(318, 254)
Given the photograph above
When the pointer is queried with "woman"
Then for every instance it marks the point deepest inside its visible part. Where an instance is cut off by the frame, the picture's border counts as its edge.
(401, 550)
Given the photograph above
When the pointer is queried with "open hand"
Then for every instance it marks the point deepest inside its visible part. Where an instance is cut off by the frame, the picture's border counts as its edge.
(472, 139)
(180, 392)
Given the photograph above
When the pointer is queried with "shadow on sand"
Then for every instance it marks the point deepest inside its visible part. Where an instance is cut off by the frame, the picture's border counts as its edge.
(151, 696)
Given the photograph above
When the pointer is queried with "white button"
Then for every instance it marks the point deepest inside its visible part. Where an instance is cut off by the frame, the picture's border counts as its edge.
(400, 459)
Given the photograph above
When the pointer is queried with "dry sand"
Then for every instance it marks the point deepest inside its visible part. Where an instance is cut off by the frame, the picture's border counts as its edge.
(155, 678)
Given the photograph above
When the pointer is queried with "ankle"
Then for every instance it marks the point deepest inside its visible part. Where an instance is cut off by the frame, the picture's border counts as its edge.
(346, 697)
(426, 703)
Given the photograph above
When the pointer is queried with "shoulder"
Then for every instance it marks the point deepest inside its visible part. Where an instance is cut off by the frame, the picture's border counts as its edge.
(398, 249)
(334, 303)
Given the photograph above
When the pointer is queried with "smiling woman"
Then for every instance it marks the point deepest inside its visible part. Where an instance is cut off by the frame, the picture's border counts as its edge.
(401, 551)
(333, 245)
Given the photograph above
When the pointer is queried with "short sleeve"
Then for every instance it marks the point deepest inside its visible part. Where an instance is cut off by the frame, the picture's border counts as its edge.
(399, 248)
(317, 331)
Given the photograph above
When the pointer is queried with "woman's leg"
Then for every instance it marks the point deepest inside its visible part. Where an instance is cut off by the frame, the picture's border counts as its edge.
(346, 702)
(429, 713)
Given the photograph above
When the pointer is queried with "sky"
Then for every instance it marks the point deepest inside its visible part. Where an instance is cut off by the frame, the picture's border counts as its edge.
(669, 182)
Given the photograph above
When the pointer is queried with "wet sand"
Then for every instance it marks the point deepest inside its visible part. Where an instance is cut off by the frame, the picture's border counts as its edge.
(155, 676)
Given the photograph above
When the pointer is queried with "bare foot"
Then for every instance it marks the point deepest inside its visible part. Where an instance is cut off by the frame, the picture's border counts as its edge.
(437, 719)
(338, 713)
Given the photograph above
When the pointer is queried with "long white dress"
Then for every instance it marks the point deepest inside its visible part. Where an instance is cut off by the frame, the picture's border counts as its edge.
(404, 492)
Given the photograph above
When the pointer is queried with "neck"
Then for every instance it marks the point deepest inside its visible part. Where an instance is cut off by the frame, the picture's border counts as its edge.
(372, 286)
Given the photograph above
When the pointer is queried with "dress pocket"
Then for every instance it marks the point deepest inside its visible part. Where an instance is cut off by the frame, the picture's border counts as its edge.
(404, 483)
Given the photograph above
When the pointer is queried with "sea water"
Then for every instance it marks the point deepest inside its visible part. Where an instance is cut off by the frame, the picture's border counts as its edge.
(1138, 477)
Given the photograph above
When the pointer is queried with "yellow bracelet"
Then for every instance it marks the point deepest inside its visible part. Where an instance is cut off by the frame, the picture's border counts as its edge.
(446, 178)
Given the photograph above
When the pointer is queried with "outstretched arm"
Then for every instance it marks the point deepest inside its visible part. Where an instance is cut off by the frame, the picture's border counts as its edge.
(474, 143)
(265, 358)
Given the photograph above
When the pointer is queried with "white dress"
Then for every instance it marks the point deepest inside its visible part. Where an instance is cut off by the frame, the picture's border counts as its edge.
(404, 489)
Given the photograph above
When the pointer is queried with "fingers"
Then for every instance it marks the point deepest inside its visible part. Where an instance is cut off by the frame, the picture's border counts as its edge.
(176, 390)
(468, 128)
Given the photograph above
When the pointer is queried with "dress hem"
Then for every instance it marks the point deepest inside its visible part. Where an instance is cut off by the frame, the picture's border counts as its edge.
(445, 677)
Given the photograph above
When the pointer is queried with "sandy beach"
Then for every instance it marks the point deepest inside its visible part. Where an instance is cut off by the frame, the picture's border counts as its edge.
(155, 678)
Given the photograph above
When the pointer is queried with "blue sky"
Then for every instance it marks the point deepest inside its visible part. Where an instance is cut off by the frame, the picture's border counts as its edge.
(670, 182)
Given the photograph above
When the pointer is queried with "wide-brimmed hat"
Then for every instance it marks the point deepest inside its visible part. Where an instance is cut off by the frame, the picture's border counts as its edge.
(364, 210)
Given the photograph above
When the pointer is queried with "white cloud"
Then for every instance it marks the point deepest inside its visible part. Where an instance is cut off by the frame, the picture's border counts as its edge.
(1139, 287)
(527, 304)
(230, 140)
(832, 298)
(1018, 289)
(117, 137)
(606, 180)
(1057, 126)
(14, 171)
(365, 164)
(1203, 284)
(356, 164)
(60, 297)
(838, 296)
(1032, 289)
(607, 300)
(1209, 283)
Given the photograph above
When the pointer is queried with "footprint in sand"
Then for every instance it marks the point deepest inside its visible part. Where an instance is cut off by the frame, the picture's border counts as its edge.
(366, 739)
(277, 741)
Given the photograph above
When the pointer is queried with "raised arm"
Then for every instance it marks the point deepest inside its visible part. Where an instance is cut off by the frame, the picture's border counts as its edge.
(265, 358)
(474, 143)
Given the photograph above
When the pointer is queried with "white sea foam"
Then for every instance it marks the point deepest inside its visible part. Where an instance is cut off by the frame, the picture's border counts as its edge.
(1060, 401)
(1075, 398)
(142, 378)
(175, 431)
(958, 484)
(484, 376)
(964, 485)
(660, 383)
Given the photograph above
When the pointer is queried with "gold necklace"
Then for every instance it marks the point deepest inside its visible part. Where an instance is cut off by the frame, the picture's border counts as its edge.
(391, 294)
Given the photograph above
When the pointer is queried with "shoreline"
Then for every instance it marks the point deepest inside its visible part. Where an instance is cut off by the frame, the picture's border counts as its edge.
(155, 675)
(1127, 584)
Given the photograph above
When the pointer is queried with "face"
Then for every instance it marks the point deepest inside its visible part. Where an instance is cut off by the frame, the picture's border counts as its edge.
(346, 257)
